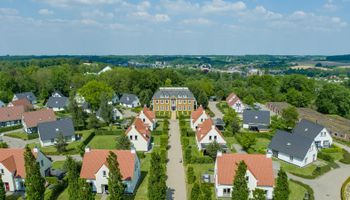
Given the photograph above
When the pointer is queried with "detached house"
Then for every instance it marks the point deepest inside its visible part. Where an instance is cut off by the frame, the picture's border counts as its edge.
(259, 173)
(235, 103)
(95, 169)
(11, 116)
(293, 148)
(49, 131)
(208, 133)
(129, 101)
(317, 132)
(116, 114)
(197, 117)
(257, 120)
(12, 169)
(28, 95)
(148, 117)
(22, 102)
(139, 135)
(30, 120)
(57, 103)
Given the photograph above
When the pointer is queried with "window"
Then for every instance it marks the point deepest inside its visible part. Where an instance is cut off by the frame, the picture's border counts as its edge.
(42, 163)
(135, 137)
(291, 158)
(161, 101)
(215, 137)
(247, 178)
(130, 137)
(166, 101)
(162, 108)
(227, 191)
(180, 107)
(157, 101)
(104, 173)
(210, 137)
(2, 171)
(143, 119)
(189, 107)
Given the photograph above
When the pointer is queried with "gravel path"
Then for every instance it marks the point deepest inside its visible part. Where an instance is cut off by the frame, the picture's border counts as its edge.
(175, 169)
(215, 110)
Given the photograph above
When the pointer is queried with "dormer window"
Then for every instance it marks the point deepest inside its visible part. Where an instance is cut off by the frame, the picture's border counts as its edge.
(104, 173)
(2, 171)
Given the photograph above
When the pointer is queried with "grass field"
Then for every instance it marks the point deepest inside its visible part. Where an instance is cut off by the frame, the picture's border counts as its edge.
(103, 142)
(297, 191)
(58, 164)
(298, 170)
(20, 134)
(261, 145)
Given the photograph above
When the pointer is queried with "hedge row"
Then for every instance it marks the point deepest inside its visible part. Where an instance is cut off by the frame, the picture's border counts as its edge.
(10, 128)
(309, 190)
(346, 157)
(86, 141)
(318, 171)
(343, 189)
(109, 132)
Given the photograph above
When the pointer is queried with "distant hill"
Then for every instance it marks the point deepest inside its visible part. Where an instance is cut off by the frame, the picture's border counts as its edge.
(339, 58)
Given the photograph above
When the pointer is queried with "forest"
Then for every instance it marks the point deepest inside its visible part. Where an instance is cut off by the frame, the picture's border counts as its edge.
(69, 75)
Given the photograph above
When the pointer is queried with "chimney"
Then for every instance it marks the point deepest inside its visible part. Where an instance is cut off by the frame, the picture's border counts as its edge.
(213, 126)
(268, 154)
(219, 154)
(87, 149)
(133, 126)
(133, 151)
(35, 149)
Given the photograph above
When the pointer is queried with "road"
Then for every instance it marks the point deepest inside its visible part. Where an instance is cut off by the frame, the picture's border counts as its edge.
(175, 169)
(215, 110)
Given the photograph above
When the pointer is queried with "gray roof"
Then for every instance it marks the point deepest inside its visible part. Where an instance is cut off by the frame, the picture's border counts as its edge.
(2, 104)
(50, 130)
(179, 92)
(57, 93)
(57, 102)
(29, 95)
(256, 117)
(308, 128)
(295, 145)
(219, 121)
(128, 98)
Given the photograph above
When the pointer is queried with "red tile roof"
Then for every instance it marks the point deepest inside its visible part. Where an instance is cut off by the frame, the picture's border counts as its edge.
(232, 99)
(204, 128)
(32, 119)
(22, 102)
(94, 160)
(141, 128)
(257, 164)
(149, 114)
(11, 113)
(197, 113)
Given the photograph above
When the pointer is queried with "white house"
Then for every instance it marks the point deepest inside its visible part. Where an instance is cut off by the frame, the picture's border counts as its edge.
(95, 169)
(116, 114)
(197, 117)
(256, 120)
(12, 169)
(139, 135)
(148, 117)
(129, 100)
(317, 132)
(208, 133)
(235, 103)
(259, 173)
(292, 148)
(49, 131)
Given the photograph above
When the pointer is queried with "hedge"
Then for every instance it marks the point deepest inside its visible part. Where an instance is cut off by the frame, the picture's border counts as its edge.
(309, 190)
(343, 189)
(10, 128)
(33, 136)
(140, 154)
(201, 160)
(333, 149)
(51, 180)
(53, 193)
(3, 145)
(318, 171)
(346, 157)
(109, 132)
(86, 141)
(325, 156)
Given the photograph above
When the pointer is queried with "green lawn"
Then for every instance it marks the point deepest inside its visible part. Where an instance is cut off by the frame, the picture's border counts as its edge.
(261, 145)
(103, 142)
(298, 170)
(199, 170)
(159, 126)
(297, 191)
(230, 141)
(64, 196)
(58, 164)
(20, 134)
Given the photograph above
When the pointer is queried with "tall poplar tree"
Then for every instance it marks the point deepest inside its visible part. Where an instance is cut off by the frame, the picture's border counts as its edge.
(2, 190)
(73, 178)
(240, 187)
(157, 180)
(115, 184)
(281, 190)
(85, 190)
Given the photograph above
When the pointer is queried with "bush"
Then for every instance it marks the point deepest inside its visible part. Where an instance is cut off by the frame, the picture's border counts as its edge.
(108, 132)
(163, 155)
(141, 155)
(10, 128)
(190, 175)
(343, 189)
(188, 155)
(51, 180)
(201, 160)
(157, 132)
(333, 149)
(321, 170)
(164, 142)
(325, 156)
(81, 147)
(346, 157)
(3, 145)
(185, 142)
(33, 136)
(309, 190)
(53, 193)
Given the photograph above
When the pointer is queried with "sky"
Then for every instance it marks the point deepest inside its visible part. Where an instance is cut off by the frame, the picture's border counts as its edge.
(174, 27)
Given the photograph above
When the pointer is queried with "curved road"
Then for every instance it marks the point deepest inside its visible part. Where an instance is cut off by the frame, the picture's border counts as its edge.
(175, 169)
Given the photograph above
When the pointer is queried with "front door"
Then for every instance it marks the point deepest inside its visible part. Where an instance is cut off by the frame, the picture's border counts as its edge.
(105, 189)
(7, 186)
(173, 104)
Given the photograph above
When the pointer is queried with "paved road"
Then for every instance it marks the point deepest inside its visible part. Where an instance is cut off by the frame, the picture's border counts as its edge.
(175, 169)
(215, 110)
(13, 142)
(63, 158)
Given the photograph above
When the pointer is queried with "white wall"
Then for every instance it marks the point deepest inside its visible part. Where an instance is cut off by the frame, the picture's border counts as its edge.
(200, 120)
(322, 139)
(238, 106)
(147, 121)
(45, 143)
(7, 177)
(213, 132)
(140, 144)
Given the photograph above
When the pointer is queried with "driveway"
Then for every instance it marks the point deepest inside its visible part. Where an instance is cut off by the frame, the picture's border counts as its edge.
(13, 142)
(215, 110)
(76, 157)
(175, 169)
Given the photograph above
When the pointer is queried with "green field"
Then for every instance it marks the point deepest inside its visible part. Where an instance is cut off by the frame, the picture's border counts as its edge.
(20, 134)
(297, 192)
(103, 142)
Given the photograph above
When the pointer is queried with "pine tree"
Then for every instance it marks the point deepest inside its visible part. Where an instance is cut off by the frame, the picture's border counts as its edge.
(123, 143)
(35, 183)
(78, 116)
(157, 179)
(106, 110)
(2, 190)
(115, 185)
(259, 194)
(85, 190)
(61, 143)
(240, 187)
(281, 190)
(195, 192)
(72, 178)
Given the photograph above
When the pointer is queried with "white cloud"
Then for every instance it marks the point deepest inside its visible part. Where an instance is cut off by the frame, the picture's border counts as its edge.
(8, 11)
(216, 6)
(96, 13)
(330, 6)
(197, 21)
(161, 18)
(45, 11)
(145, 16)
(67, 3)
(145, 5)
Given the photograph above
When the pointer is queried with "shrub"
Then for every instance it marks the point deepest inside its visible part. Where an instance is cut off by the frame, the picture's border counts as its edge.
(164, 142)
(321, 170)
(33, 136)
(157, 132)
(108, 132)
(201, 160)
(333, 149)
(190, 175)
(141, 155)
(82, 145)
(188, 155)
(185, 142)
(10, 128)
(53, 193)
(163, 155)
(3, 145)
(51, 180)
(346, 157)
(325, 156)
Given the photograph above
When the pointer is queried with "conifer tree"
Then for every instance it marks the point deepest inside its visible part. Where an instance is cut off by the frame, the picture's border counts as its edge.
(115, 185)
(85, 190)
(259, 194)
(61, 143)
(281, 190)
(156, 181)
(240, 187)
(2, 190)
(35, 183)
(72, 178)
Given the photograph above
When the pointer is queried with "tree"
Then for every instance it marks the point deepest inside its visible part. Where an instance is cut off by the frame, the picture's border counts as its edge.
(115, 183)
(202, 99)
(72, 178)
(240, 186)
(123, 142)
(281, 190)
(93, 90)
(85, 190)
(259, 194)
(235, 126)
(190, 175)
(93, 122)
(212, 149)
(3, 145)
(250, 100)
(290, 116)
(78, 116)
(167, 82)
(157, 179)
(2, 190)
(106, 110)
(61, 143)
(35, 183)
(247, 141)
(196, 192)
